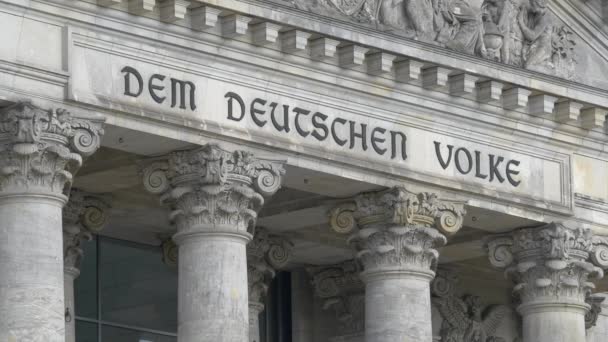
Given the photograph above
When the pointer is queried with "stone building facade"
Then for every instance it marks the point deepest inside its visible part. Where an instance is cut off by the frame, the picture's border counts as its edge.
(303, 171)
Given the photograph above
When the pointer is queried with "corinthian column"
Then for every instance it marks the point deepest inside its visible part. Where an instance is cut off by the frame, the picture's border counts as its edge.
(84, 215)
(214, 197)
(552, 267)
(40, 151)
(342, 291)
(265, 254)
(397, 234)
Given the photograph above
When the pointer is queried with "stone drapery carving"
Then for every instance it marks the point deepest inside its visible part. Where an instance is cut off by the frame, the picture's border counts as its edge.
(464, 318)
(516, 32)
(266, 253)
(84, 215)
(398, 228)
(343, 292)
(211, 187)
(40, 150)
(550, 262)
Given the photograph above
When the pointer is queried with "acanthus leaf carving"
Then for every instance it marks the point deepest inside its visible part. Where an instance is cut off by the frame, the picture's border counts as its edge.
(464, 317)
(85, 214)
(212, 187)
(266, 253)
(595, 303)
(40, 150)
(343, 292)
(549, 263)
(398, 228)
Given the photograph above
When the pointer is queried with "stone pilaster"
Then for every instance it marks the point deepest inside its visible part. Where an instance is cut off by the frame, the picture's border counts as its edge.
(214, 196)
(84, 215)
(40, 151)
(265, 254)
(343, 292)
(396, 238)
(553, 267)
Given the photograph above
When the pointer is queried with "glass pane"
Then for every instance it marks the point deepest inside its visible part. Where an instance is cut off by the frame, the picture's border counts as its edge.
(85, 286)
(137, 288)
(114, 334)
(86, 331)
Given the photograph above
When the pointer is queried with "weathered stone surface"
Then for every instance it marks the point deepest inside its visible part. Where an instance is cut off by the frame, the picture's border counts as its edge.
(553, 267)
(40, 150)
(214, 196)
(465, 319)
(343, 292)
(397, 234)
(519, 33)
(266, 254)
(84, 215)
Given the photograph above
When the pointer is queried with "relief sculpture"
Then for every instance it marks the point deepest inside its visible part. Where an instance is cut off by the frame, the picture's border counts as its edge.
(522, 33)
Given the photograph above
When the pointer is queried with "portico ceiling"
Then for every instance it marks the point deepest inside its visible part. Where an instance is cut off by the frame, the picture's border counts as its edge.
(299, 211)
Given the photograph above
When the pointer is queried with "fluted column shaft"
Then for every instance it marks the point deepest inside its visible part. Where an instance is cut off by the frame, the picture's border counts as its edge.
(396, 238)
(552, 267)
(39, 153)
(214, 196)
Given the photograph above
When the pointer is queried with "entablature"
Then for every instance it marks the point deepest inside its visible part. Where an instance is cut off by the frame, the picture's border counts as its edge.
(439, 103)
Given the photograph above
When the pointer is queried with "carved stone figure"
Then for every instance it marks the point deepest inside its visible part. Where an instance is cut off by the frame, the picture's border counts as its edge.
(536, 25)
(464, 318)
(523, 33)
(465, 28)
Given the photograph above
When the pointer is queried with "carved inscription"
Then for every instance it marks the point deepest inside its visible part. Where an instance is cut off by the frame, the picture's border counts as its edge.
(134, 86)
(342, 132)
(467, 162)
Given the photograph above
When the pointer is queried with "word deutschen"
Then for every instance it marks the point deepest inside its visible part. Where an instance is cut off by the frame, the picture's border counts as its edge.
(316, 125)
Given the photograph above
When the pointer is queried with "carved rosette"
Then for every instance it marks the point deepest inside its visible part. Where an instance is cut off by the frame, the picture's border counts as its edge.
(210, 189)
(40, 150)
(84, 215)
(550, 264)
(399, 230)
(344, 293)
(265, 254)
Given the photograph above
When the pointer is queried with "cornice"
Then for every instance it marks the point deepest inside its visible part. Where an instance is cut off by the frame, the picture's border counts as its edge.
(514, 119)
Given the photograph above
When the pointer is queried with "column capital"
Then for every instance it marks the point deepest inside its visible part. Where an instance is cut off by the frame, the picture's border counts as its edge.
(40, 150)
(266, 253)
(551, 264)
(342, 291)
(465, 317)
(84, 214)
(212, 191)
(398, 230)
